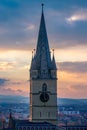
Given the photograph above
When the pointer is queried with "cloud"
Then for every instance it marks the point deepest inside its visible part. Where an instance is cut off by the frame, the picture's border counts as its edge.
(74, 67)
(79, 90)
(3, 81)
(8, 82)
(9, 91)
(20, 91)
(6, 65)
(30, 27)
(14, 20)
(68, 29)
(15, 83)
(80, 15)
(19, 23)
(79, 86)
(9, 87)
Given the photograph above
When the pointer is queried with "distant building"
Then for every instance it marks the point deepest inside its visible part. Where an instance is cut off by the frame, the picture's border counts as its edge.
(27, 125)
(11, 121)
(75, 128)
(69, 112)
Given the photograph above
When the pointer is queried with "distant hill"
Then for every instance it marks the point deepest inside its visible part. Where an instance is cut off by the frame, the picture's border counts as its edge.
(22, 99)
(13, 99)
(67, 101)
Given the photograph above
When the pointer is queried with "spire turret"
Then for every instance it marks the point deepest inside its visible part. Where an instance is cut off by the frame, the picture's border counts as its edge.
(33, 64)
(53, 62)
(11, 121)
(32, 61)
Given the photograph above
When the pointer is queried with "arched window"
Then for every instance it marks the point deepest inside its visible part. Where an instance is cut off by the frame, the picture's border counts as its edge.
(36, 128)
(40, 128)
(24, 128)
(28, 128)
(32, 128)
(48, 128)
(44, 128)
(44, 87)
(53, 128)
(20, 128)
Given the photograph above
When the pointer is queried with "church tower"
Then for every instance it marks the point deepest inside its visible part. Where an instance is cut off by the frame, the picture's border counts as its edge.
(43, 80)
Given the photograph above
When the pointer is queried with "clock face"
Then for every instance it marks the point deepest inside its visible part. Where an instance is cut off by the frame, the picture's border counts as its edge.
(44, 97)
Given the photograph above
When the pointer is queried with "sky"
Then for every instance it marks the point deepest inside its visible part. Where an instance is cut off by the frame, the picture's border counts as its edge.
(66, 23)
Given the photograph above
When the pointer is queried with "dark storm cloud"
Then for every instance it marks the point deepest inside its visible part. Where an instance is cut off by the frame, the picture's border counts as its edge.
(74, 67)
(3, 81)
(18, 17)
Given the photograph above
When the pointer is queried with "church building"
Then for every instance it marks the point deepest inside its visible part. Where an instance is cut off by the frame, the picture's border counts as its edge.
(43, 80)
(43, 88)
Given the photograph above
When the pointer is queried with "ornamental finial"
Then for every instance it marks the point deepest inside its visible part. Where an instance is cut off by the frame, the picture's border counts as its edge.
(53, 51)
(42, 6)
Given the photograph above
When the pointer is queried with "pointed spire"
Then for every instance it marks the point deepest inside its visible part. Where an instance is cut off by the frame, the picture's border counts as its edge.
(41, 61)
(3, 124)
(42, 57)
(53, 62)
(11, 121)
(10, 115)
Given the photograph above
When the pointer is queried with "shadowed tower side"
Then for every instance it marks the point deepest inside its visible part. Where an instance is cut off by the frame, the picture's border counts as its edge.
(43, 80)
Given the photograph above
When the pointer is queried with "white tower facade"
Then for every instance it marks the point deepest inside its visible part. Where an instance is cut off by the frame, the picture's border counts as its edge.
(43, 80)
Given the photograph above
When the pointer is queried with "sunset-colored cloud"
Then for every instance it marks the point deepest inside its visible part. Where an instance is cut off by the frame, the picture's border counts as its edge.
(74, 67)
(66, 22)
(6, 66)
